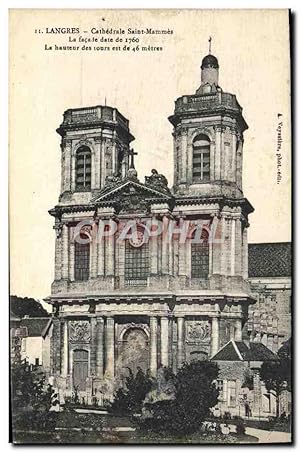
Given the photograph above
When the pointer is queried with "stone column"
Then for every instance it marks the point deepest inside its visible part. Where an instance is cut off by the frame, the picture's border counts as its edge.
(218, 154)
(171, 257)
(110, 347)
(216, 245)
(65, 251)
(223, 156)
(94, 255)
(233, 162)
(55, 349)
(93, 165)
(153, 346)
(164, 334)
(58, 259)
(63, 170)
(239, 164)
(93, 346)
(245, 253)
(164, 248)
(67, 166)
(212, 159)
(180, 341)
(154, 255)
(97, 161)
(102, 160)
(181, 258)
(238, 247)
(238, 330)
(110, 256)
(65, 349)
(99, 348)
(72, 260)
(114, 153)
(232, 248)
(223, 245)
(100, 253)
(189, 155)
(210, 256)
(184, 133)
(214, 335)
(73, 172)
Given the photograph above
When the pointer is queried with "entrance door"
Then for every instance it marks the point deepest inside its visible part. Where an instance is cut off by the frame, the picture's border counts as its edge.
(80, 368)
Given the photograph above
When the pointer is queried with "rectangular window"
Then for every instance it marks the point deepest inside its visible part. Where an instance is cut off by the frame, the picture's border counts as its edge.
(200, 260)
(201, 164)
(83, 168)
(137, 268)
(220, 387)
(231, 388)
(82, 261)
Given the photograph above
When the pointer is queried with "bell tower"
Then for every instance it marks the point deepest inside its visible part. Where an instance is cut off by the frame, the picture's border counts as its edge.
(208, 138)
(95, 145)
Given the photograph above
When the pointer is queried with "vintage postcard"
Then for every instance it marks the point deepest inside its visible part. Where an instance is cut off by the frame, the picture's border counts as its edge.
(150, 226)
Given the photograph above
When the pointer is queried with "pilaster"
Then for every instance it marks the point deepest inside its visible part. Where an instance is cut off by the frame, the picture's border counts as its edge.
(164, 329)
(65, 251)
(110, 347)
(100, 347)
(153, 346)
(180, 341)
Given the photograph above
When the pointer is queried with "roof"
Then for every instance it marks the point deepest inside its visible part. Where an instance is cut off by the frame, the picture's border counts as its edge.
(36, 326)
(240, 351)
(285, 351)
(269, 259)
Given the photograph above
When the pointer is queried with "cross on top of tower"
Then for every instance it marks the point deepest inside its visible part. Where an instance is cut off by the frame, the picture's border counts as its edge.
(131, 153)
(209, 44)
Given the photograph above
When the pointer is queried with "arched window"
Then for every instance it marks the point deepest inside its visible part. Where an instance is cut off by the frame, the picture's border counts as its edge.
(83, 168)
(82, 259)
(200, 256)
(201, 158)
(137, 265)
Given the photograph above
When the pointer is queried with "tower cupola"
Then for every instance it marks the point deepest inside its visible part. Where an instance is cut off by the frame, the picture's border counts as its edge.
(209, 70)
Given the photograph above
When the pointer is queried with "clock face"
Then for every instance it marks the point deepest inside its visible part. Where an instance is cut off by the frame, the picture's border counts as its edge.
(137, 239)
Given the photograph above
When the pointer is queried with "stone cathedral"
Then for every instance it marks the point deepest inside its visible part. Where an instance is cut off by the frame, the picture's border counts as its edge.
(147, 275)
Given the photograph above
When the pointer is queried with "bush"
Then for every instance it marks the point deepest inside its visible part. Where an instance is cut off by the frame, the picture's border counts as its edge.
(32, 398)
(240, 427)
(226, 416)
(129, 399)
(195, 394)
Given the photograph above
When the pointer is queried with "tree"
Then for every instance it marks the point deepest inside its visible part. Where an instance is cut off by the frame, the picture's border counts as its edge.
(276, 376)
(21, 306)
(128, 400)
(195, 394)
(32, 398)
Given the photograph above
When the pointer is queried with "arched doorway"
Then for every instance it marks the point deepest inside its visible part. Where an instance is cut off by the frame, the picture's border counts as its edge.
(80, 369)
(134, 351)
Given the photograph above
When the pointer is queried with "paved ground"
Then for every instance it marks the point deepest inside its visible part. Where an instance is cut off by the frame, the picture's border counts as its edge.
(265, 436)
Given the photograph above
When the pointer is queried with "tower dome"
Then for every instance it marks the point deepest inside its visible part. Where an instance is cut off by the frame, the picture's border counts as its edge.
(209, 75)
(210, 61)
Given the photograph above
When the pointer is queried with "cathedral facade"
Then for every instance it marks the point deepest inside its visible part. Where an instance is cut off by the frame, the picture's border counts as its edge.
(146, 275)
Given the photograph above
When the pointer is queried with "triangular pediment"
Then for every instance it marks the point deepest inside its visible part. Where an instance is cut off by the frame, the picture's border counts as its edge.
(132, 195)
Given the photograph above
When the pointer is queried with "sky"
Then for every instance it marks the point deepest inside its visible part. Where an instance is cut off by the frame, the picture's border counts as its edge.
(253, 52)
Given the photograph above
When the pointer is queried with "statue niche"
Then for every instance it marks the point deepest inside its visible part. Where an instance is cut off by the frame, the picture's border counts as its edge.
(134, 353)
